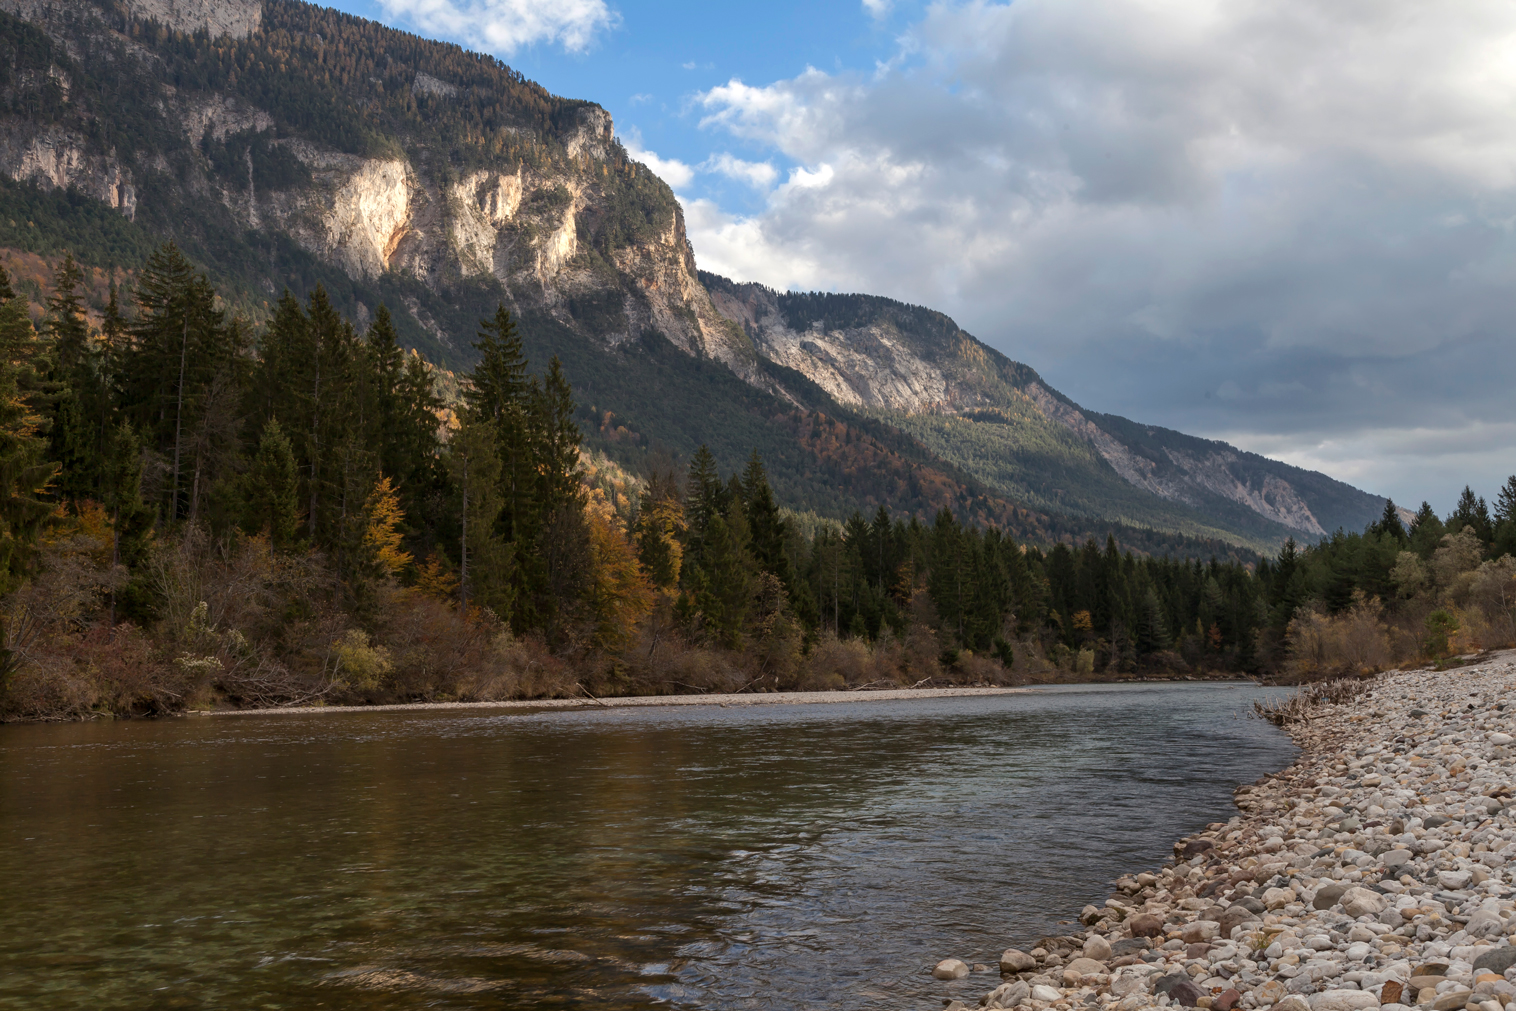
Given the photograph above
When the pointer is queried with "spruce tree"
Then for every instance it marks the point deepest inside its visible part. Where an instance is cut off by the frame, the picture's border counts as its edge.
(25, 471)
(1471, 511)
(77, 378)
(164, 366)
(766, 525)
(486, 566)
(1389, 524)
(273, 488)
(704, 499)
(499, 392)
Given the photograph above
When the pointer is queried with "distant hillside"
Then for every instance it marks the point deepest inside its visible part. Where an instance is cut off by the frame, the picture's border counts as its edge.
(998, 421)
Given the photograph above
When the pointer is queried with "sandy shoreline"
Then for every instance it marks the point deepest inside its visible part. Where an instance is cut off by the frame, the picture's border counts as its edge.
(633, 701)
(1375, 872)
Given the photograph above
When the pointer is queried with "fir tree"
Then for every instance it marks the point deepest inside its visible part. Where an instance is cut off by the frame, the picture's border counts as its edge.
(766, 525)
(1389, 524)
(273, 494)
(25, 471)
(1471, 511)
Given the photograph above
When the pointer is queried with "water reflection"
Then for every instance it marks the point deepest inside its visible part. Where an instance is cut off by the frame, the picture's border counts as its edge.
(773, 857)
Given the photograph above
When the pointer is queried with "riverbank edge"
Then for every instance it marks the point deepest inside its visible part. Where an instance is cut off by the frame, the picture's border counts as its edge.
(632, 701)
(1230, 872)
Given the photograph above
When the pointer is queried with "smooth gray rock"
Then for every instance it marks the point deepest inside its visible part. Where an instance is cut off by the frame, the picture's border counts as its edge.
(1328, 896)
(1496, 959)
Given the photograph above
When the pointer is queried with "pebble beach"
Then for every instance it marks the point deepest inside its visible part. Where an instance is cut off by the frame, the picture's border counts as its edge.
(1377, 871)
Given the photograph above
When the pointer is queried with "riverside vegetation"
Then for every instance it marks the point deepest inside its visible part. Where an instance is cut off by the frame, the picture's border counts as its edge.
(197, 512)
(1373, 873)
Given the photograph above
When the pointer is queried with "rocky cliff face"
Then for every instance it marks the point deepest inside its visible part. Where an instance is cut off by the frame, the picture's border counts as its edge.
(880, 355)
(533, 221)
(1181, 476)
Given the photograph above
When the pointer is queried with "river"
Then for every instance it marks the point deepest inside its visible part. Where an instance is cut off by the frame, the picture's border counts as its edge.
(775, 857)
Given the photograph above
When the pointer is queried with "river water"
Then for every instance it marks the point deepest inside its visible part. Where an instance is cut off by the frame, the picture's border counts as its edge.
(784, 857)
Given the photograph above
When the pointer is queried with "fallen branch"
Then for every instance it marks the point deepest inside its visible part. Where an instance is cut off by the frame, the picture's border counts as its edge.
(589, 696)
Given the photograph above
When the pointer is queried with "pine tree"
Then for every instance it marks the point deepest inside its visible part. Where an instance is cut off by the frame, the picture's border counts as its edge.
(273, 488)
(499, 392)
(165, 366)
(1471, 511)
(764, 522)
(1389, 523)
(1152, 627)
(704, 499)
(25, 471)
(486, 564)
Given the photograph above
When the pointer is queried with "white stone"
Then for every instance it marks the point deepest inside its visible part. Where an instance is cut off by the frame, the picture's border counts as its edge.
(1097, 947)
(1046, 993)
(1454, 879)
(951, 968)
(1361, 901)
(1343, 1000)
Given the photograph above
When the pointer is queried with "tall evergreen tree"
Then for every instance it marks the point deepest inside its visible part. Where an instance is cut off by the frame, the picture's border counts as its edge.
(164, 365)
(1471, 511)
(273, 488)
(766, 525)
(1389, 524)
(499, 392)
(25, 471)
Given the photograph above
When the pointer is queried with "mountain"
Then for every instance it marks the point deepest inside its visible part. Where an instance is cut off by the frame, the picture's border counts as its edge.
(999, 421)
(283, 145)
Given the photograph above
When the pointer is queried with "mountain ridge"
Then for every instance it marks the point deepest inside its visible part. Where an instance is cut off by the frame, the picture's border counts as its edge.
(287, 145)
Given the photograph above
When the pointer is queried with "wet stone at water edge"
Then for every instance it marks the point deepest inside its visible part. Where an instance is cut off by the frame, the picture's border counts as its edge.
(1376, 872)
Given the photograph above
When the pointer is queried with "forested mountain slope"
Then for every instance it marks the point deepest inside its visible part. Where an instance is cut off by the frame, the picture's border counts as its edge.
(286, 146)
(997, 420)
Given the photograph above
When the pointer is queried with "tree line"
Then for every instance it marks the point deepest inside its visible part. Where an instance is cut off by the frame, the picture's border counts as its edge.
(193, 512)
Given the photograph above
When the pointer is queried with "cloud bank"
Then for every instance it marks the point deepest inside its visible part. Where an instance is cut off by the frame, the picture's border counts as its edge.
(505, 26)
(1287, 223)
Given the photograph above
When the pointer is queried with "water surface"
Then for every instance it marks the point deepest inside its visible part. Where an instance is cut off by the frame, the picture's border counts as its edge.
(815, 856)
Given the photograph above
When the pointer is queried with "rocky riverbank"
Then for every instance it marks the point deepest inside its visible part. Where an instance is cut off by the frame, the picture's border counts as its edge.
(1375, 872)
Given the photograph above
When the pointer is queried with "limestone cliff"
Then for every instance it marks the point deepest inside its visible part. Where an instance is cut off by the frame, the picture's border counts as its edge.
(996, 418)
(421, 163)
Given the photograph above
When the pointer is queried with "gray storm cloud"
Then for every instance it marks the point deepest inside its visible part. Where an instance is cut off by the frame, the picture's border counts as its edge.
(1283, 223)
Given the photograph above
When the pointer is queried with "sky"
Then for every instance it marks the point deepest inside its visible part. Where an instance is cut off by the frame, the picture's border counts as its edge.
(1283, 223)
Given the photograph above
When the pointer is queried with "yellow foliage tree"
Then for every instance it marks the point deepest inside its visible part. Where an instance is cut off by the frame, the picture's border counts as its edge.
(436, 580)
(383, 537)
(620, 594)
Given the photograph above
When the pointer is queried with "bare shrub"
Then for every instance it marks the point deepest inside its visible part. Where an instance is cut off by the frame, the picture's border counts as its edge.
(1302, 704)
(834, 664)
(978, 669)
(1352, 642)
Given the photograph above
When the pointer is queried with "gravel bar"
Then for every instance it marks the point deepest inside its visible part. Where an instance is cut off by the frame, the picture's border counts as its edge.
(1374, 872)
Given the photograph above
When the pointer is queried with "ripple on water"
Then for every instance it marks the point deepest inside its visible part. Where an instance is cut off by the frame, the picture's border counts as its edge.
(752, 857)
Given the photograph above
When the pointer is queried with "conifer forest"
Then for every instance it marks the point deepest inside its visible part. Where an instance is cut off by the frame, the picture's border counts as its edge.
(199, 513)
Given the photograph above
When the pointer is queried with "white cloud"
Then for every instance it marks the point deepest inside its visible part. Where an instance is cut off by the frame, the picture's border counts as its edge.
(671, 170)
(760, 175)
(504, 26)
(877, 8)
(1147, 199)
